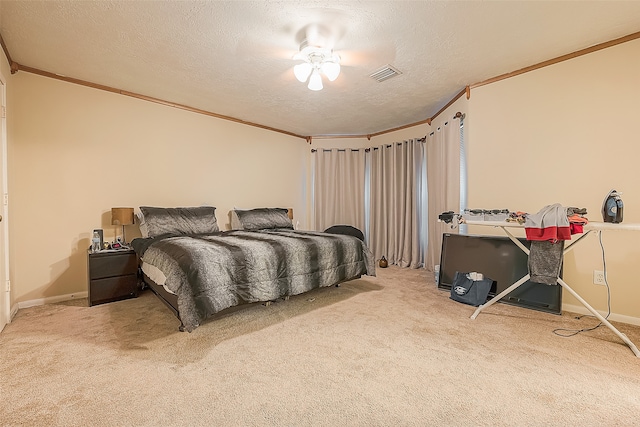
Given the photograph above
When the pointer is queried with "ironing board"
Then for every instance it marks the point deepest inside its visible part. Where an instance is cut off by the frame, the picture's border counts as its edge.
(588, 228)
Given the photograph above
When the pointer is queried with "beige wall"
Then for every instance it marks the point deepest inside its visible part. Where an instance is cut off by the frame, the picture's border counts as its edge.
(566, 134)
(75, 152)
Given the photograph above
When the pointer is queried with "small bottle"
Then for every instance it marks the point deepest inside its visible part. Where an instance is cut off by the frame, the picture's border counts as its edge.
(95, 242)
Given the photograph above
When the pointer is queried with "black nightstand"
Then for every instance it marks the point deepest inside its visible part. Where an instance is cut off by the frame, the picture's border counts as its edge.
(113, 276)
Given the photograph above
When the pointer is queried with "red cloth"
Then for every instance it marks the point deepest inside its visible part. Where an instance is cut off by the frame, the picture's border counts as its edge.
(576, 228)
(552, 233)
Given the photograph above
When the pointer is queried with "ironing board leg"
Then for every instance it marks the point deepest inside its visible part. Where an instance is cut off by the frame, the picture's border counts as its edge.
(622, 336)
(499, 296)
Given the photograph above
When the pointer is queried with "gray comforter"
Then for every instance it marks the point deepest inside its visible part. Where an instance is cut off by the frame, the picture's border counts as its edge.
(211, 272)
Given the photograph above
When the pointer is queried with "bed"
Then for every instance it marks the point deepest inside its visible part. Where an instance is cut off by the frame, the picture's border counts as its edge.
(198, 270)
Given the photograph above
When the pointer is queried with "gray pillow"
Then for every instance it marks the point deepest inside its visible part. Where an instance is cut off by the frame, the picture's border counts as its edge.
(262, 218)
(189, 220)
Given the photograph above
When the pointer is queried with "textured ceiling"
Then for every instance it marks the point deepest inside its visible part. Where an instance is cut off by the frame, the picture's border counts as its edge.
(233, 58)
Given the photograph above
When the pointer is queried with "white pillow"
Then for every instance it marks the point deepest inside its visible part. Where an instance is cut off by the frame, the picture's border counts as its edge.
(235, 221)
(144, 230)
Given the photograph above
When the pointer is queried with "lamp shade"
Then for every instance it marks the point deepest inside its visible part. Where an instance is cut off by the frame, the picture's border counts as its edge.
(302, 71)
(331, 70)
(121, 216)
(315, 81)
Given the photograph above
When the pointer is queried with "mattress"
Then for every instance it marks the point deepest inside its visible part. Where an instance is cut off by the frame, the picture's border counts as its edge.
(155, 274)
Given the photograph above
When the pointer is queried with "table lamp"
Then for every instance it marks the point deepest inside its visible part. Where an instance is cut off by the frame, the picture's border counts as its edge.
(122, 216)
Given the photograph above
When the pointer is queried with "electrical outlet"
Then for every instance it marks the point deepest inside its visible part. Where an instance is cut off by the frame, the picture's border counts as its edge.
(598, 277)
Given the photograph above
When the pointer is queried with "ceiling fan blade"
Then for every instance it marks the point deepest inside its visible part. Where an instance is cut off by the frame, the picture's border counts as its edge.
(253, 50)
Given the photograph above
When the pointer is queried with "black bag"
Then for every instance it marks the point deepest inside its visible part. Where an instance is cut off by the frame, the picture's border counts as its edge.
(468, 291)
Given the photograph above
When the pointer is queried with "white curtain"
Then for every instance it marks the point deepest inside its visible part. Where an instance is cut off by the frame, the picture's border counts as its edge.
(339, 188)
(443, 185)
(393, 193)
(397, 203)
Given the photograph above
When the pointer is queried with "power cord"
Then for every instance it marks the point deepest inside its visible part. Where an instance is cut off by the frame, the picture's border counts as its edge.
(571, 332)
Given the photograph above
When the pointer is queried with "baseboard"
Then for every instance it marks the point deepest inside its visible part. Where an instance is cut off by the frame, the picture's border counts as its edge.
(13, 312)
(52, 300)
(579, 309)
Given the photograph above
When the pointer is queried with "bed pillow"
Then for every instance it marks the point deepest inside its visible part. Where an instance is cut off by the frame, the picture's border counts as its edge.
(260, 219)
(189, 220)
(140, 221)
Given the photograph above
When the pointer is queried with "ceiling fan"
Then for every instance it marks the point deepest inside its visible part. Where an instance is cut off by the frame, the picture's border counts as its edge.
(317, 57)
(316, 60)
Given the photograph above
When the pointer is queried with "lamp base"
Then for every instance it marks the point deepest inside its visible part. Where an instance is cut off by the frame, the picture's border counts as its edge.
(122, 241)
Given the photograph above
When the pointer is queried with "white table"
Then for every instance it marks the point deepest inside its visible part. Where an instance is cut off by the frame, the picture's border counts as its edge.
(588, 228)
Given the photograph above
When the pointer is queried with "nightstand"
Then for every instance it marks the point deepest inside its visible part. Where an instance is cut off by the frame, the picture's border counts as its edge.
(113, 276)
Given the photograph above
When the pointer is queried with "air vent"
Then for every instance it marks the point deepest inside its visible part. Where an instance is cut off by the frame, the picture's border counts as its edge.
(385, 73)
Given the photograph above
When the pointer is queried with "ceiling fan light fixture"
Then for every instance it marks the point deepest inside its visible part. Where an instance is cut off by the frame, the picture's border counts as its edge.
(302, 71)
(331, 70)
(316, 59)
(315, 81)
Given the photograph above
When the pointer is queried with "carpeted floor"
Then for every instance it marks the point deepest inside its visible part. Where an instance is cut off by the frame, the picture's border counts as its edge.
(385, 351)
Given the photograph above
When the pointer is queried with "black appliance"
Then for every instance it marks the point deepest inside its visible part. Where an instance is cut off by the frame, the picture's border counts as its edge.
(612, 207)
(501, 260)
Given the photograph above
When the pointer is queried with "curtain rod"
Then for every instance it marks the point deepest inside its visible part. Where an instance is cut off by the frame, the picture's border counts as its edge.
(423, 139)
(458, 115)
